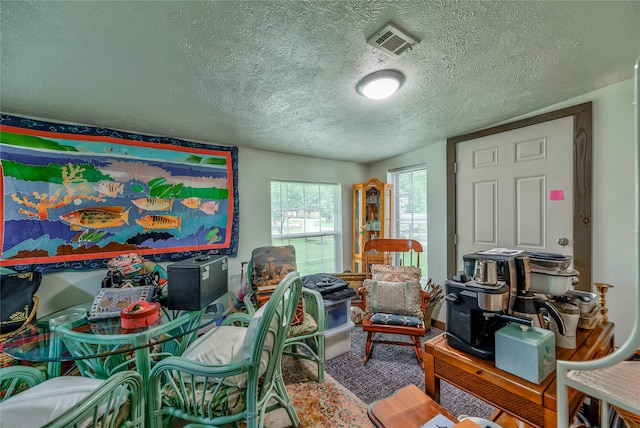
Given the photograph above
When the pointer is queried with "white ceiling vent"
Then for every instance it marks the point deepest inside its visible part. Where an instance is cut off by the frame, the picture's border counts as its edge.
(392, 40)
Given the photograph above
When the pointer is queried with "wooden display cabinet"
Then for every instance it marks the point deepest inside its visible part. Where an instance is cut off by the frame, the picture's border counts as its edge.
(372, 217)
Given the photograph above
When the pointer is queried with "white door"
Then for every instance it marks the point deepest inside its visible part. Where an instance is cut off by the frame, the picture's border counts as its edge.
(515, 190)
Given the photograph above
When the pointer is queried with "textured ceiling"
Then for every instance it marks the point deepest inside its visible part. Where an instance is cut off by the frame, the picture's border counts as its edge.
(280, 75)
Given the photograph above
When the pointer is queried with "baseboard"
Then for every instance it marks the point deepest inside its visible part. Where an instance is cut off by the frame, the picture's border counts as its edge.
(438, 324)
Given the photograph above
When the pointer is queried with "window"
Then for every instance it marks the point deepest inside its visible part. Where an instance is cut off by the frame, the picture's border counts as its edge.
(307, 216)
(410, 207)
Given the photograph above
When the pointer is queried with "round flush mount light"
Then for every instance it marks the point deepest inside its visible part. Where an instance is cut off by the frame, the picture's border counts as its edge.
(380, 84)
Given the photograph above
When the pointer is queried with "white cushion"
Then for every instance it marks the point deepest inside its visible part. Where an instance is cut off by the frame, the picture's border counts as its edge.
(226, 344)
(44, 402)
(251, 332)
(220, 346)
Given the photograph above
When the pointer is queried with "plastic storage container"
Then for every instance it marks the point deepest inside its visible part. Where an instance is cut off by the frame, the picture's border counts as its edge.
(337, 312)
(554, 283)
(337, 340)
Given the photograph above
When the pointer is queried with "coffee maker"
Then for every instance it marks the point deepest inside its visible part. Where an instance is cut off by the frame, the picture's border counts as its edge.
(480, 302)
(474, 313)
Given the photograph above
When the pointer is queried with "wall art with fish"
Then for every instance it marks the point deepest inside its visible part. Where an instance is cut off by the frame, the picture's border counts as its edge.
(73, 197)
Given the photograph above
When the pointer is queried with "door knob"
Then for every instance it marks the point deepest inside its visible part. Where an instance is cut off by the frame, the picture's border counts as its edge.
(563, 241)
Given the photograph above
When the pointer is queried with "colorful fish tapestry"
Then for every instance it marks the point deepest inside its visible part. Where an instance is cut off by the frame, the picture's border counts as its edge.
(73, 197)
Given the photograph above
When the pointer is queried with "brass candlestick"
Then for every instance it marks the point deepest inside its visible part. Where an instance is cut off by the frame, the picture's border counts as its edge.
(602, 289)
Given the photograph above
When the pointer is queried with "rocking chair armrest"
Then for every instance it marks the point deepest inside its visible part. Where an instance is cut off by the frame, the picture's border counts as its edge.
(363, 297)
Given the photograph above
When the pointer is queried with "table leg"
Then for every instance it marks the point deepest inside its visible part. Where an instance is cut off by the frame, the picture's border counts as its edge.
(54, 367)
(431, 382)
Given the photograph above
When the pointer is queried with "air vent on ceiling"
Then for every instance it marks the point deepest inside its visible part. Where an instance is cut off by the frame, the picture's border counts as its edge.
(392, 40)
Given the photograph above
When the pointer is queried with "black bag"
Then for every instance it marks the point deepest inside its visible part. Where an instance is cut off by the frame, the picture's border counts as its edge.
(16, 299)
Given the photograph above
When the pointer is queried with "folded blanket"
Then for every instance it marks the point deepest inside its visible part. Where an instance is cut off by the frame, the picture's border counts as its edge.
(324, 284)
(345, 293)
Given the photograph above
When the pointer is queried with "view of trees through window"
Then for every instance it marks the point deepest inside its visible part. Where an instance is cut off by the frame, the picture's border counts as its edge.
(306, 215)
(410, 207)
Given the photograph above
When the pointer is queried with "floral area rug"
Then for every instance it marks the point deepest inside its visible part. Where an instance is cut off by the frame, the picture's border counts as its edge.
(327, 404)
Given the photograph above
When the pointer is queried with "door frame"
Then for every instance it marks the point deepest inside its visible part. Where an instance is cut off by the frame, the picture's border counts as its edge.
(582, 183)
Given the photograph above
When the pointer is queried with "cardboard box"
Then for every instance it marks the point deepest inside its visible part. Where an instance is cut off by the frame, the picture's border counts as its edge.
(527, 352)
(196, 282)
(337, 340)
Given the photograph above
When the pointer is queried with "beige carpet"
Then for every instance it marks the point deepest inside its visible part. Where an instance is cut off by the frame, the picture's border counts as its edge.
(327, 404)
(323, 405)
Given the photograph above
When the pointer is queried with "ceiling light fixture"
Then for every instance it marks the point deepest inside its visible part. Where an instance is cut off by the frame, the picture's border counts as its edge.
(380, 84)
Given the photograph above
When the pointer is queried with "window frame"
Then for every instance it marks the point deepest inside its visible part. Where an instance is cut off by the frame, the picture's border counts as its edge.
(303, 263)
(393, 178)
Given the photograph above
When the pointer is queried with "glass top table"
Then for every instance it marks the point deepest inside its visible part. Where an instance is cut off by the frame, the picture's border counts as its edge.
(102, 347)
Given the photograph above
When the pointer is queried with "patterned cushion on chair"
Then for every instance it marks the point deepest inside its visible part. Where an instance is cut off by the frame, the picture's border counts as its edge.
(395, 273)
(393, 319)
(308, 326)
(402, 298)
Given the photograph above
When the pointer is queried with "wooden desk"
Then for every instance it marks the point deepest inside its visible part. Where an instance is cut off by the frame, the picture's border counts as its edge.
(524, 400)
(408, 407)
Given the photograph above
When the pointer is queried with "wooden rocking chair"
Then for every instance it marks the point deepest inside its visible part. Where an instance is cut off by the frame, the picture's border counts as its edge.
(393, 299)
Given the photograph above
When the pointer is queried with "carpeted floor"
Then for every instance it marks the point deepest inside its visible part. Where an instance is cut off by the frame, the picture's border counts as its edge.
(323, 405)
(390, 368)
(350, 385)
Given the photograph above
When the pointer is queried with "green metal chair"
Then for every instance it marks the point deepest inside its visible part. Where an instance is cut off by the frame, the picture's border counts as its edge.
(305, 340)
(29, 400)
(233, 372)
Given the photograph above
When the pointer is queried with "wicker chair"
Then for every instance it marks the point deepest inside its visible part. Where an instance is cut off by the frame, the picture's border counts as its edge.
(232, 373)
(70, 401)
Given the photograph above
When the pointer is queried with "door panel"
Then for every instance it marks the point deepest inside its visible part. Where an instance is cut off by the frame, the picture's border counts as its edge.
(515, 189)
(530, 208)
(486, 213)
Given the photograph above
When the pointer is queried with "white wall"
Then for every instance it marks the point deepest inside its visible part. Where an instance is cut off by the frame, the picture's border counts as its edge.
(255, 170)
(614, 251)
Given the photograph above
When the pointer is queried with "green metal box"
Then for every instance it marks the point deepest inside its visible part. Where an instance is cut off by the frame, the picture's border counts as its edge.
(527, 352)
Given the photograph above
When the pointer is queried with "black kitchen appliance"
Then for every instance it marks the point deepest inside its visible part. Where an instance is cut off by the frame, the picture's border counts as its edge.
(474, 313)
(478, 306)
(510, 265)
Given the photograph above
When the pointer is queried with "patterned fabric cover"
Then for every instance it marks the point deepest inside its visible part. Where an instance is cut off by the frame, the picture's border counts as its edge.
(393, 319)
(395, 273)
(401, 298)
(308, 326)
(268, 266)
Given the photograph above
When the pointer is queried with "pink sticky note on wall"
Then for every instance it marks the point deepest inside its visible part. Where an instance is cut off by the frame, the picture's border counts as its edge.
(556, 195)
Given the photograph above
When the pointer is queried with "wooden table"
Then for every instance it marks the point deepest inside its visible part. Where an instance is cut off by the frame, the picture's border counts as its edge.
(408, 407)
(535, 404)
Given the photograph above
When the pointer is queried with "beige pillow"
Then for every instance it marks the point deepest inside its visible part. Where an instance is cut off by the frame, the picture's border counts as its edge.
(395, 273)
(393, 297)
